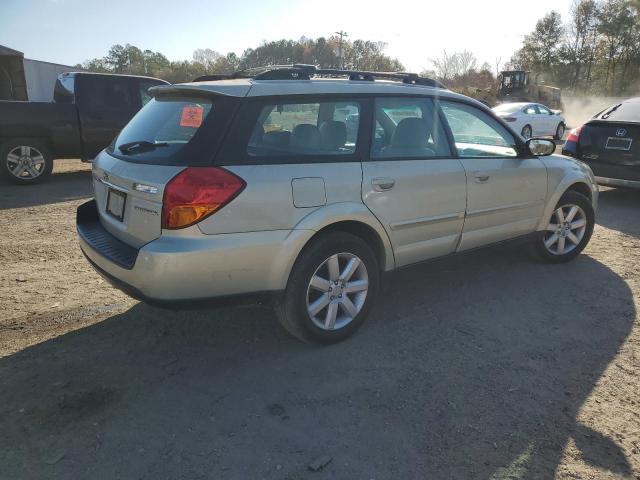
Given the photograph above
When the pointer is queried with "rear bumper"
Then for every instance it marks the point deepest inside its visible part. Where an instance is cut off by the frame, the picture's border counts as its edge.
(613, 171)
(617, 182)
(133, 292)
(189, 269)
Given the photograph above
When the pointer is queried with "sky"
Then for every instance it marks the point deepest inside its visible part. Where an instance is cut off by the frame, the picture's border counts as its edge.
(71, 31)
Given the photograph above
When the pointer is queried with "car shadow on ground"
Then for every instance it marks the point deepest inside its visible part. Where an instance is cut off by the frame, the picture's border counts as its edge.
(618, 205)
(59, 187)
(471, 367)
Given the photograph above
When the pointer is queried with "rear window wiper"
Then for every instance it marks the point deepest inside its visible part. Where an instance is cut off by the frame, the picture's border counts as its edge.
(140, 145)
(610, 111)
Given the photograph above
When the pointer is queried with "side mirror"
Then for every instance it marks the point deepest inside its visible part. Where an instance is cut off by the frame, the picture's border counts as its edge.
(541, 147)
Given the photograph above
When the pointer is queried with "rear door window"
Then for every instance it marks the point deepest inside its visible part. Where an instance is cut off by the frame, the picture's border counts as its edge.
(543, 110)
(109, 93)
(306, 129)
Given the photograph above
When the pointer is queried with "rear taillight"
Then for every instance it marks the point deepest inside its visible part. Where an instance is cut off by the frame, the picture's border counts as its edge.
(570, 146)
(509, 119)
(197, 192)
(574, 135)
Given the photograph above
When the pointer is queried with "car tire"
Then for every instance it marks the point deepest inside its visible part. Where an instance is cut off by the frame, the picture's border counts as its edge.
(314, 308)
(527, 132)
(30, 158)
(566, 235)
(560, 129)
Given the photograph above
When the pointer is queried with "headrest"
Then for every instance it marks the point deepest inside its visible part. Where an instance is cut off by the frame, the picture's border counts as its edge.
(278, 138)
(305, 136)
(411, 132)
(334, 134)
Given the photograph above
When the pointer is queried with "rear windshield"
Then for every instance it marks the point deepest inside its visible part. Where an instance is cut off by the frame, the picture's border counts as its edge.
(627, 111)
(168, 130)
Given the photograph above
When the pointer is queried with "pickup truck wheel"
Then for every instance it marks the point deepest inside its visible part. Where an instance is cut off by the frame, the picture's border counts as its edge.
(568, 230)
(25, 161)
(330, 290)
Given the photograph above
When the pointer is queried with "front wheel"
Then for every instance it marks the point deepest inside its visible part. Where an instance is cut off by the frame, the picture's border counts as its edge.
(331, 289)
(568, 230)
(25, 161)
(559, 131)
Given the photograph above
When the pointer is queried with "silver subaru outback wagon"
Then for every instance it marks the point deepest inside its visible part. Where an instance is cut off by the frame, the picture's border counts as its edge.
(310, 184)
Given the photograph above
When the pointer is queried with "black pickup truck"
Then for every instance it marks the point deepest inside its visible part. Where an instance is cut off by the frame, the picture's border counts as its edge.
(87, 112)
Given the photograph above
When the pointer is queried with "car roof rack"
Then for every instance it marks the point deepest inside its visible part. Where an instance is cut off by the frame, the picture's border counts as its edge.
(298, 71)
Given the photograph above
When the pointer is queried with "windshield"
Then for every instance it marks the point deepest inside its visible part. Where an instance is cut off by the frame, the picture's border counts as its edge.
(166, 122)
(512, 80)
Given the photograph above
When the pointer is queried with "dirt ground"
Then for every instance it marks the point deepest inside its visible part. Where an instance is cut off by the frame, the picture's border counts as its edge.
(483, 366)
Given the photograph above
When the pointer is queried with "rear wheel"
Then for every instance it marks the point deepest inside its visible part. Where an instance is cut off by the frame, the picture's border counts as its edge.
(526, 132)
(560, 131)
(569, 229)
(331, 289)
(25, 161)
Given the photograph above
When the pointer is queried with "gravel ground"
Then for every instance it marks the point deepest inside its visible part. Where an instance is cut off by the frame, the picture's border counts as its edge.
(486, 365)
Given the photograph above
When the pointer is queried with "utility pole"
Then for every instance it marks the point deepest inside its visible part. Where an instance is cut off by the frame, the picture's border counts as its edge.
(340, 51)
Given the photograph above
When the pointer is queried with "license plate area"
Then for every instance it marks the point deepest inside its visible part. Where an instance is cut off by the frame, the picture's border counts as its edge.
(116, 201)
(616, 143)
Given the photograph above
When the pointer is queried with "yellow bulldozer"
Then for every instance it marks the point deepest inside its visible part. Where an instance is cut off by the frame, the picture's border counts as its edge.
(516, 86)
(521, 86)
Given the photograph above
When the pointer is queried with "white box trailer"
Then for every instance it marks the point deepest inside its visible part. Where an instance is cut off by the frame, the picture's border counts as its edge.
(26, 79)
(41, 78)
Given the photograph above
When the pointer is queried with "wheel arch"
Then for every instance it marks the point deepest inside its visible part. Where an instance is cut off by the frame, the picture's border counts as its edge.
(350, 217)
(582, 188)
(574, 182)
(361, 230)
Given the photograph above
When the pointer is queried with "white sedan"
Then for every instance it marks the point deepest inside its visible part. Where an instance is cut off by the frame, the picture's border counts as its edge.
(532, 119)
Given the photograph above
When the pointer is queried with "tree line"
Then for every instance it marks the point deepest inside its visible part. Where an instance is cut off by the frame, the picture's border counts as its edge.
(597, 51)
(324, 52)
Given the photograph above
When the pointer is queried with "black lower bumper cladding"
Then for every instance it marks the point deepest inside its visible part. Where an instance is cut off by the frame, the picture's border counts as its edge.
(99, 239)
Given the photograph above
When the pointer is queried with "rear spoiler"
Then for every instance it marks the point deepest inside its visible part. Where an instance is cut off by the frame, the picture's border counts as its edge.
(163, 90)
(209, 90)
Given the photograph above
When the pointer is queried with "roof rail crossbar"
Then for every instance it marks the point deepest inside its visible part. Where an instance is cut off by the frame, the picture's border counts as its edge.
(298, 71)
(283, 73)
(221, 76)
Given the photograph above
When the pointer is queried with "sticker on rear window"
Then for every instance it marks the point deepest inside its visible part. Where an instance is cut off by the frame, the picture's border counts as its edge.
(191, 116)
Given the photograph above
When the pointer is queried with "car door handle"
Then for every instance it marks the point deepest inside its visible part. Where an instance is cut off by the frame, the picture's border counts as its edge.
(481, 177)
(382, 184)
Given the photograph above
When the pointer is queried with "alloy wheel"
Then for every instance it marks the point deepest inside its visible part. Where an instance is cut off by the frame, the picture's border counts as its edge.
(337, 291)
(565, 230)
(25, 162)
